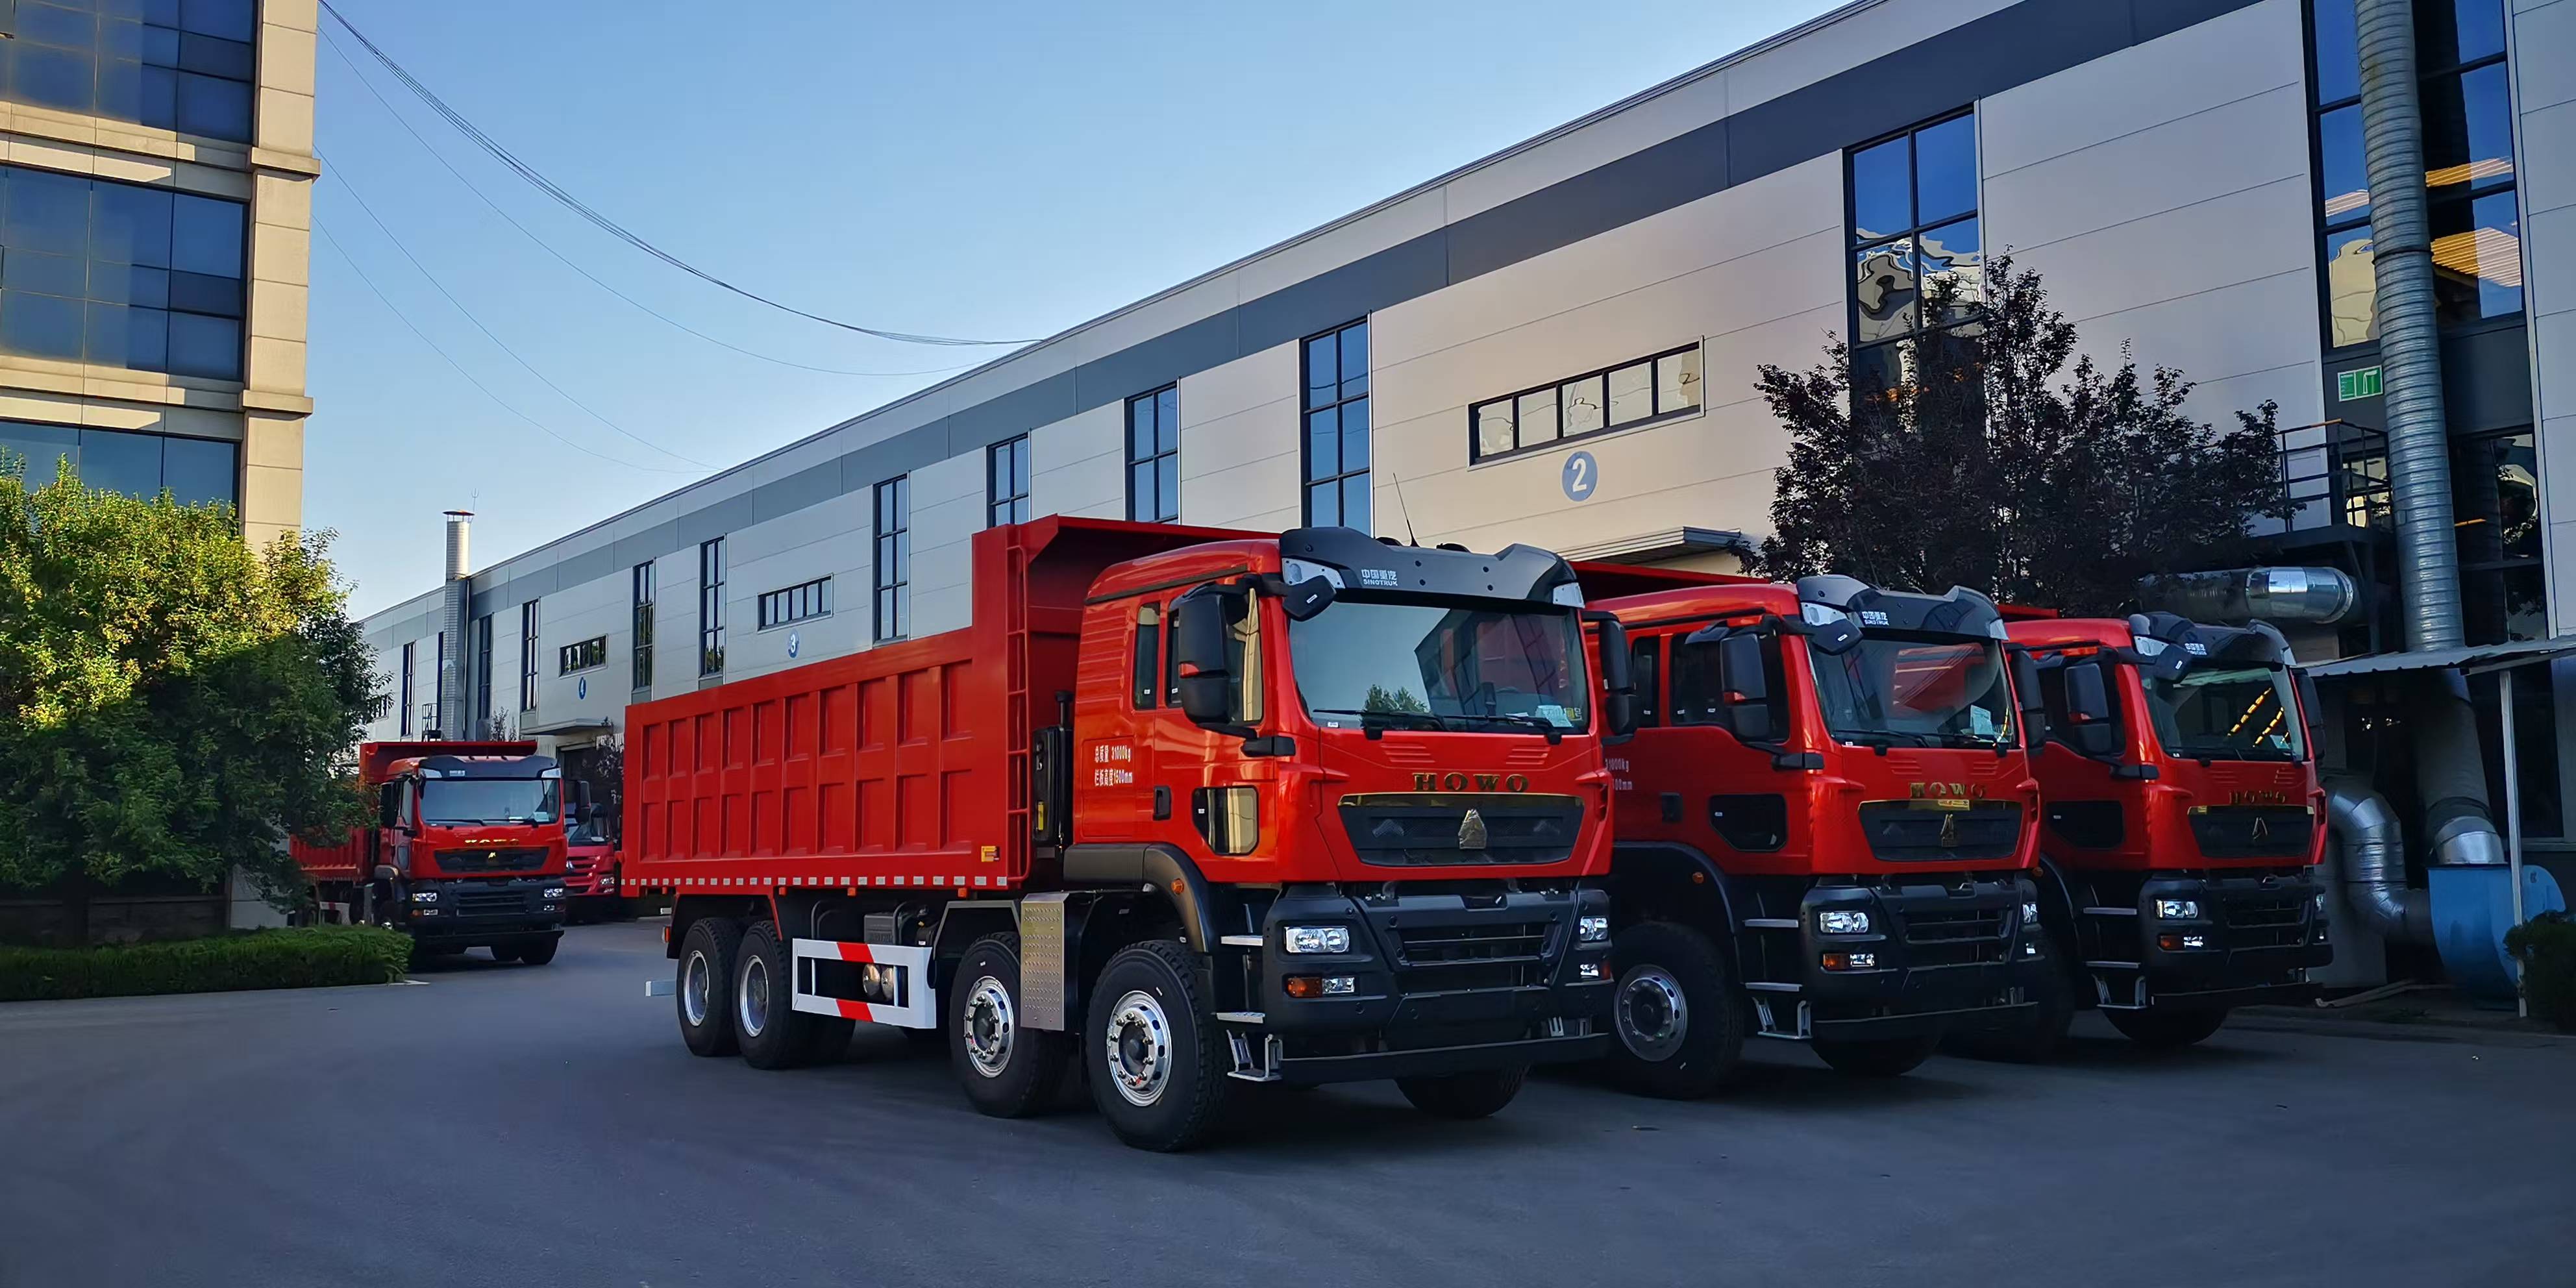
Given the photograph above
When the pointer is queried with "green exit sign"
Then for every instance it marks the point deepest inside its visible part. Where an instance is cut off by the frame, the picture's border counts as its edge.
(2362, 382)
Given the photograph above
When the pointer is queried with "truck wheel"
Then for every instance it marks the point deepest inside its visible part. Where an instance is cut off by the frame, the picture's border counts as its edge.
(1464, 1095)
(1876, 1058)
(1008, 1069)
(505, 953)
(537, 952)
(1154, 1055)
(773, 1033)
(2035, 1040)
(2166, 1030)
(706, 976)
(1675, 1012)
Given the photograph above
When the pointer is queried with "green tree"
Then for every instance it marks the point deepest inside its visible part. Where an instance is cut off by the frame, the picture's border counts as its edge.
(1990, 464)
(172, 703)
(1399, 698)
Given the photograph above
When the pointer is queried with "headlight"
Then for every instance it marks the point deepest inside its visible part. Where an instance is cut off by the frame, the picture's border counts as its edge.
(1592, 930)
(424, 896)
(1830, 922)
(2178, 909)
(1318, 939)
(2029, 914)
(554, 892)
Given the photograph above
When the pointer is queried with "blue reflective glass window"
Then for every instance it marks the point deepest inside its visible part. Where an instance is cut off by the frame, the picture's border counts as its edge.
(1882, 189)
(1167, 421)
(2338, 52)
(198, 470)
(40, 447)
(1354, 362)
(2451, 32)
(209, 56)
(216, 108)
(161, 13)
(2468, 129)
(47, 76)
(1324, 505)
(40, 326)
(2345, 190)
(206, 236)
(1945, 170)
(46, 24)
(1324, 442)
(120, 336)
(64, 275)
(47, 212)
(198, 293)
(1355, 434)
(1323, 370)
(1355, 502)
(115, 461)
(203, 346)
(230, 19)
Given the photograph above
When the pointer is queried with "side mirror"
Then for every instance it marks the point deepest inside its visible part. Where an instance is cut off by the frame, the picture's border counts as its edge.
(389, 805)
(581, 807)
(1202, 641)
(1744, 687)
(2028, 699)
(1618, 680)
(2088, 695)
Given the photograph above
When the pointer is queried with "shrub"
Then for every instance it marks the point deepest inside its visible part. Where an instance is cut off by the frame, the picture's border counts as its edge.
(2546, 947)
(302, 957)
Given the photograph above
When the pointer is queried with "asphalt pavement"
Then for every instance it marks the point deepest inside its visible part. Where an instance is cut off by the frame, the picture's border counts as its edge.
(494, 1125)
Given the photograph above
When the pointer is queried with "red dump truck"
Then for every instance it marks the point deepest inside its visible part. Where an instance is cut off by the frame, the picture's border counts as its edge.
(467, 850)
(1197, 808)
(1826, 824)
(2184, 818)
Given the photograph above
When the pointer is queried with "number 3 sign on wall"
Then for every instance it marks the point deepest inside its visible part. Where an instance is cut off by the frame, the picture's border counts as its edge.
(1582, 474)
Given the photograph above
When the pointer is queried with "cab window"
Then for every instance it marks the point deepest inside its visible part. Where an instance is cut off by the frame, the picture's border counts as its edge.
(1148, 662)
(1646, 670)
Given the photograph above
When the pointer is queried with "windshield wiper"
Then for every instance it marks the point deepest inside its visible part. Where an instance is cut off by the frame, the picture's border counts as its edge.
(1524, 720)
(1877, 738)
(1410, 719)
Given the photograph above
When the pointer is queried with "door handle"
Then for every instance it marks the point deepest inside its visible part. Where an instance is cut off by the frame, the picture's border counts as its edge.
(1162, 803)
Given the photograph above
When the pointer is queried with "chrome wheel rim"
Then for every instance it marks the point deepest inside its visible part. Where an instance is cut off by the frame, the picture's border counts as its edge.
(754, 1008)
(1652, 1017)
(989, 1025)
(697, 990)
(1139, 1044)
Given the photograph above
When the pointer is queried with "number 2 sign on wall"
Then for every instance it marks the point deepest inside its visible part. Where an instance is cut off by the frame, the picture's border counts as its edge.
(1581, 475)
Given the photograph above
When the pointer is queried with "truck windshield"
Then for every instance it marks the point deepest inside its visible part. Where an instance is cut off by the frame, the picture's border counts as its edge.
(450, 801)
(1898, 688)
(1441, 665)
(2232, 714)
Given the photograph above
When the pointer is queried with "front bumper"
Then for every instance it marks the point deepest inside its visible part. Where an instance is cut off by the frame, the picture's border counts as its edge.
(599, 882)
(2254, 942)
(475, 912)
(1956, 955)
(1455, 982)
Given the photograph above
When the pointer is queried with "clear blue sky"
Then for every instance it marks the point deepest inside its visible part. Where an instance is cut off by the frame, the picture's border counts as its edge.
(999, 170)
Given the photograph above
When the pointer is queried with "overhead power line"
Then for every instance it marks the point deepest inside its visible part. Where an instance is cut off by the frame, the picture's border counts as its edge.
(603, 222)
(567, 261)
(342, 177)
(497, 400)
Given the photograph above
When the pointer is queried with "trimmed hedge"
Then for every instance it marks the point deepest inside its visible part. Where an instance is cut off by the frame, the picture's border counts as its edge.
(300, 957)
(2546, 946)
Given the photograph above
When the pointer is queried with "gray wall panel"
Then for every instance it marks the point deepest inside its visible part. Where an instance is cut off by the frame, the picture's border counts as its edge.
(1013, 414)
(588, 566)
(805, 487)
(1151, 364)
(715, 520)
(1671, 173)
(652, 543)
(1400, 272)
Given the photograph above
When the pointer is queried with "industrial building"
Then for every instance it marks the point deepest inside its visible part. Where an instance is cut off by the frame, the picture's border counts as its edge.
(158, 194)
(1557, 344)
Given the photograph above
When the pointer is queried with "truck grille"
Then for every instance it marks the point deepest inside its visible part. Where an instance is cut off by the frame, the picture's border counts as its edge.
(1404, 829)
(1967, 937)
(484, 903)
(2253, 831)
(2267, 921)
(1902, 832)
(1474, 955)
(520, 860)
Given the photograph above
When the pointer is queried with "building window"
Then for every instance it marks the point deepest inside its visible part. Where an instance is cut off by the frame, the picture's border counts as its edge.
(195, 471)
(643, 625)
(1657, 387)
(2468, 163)
(2495, 500)
(582, 656)
(438, 691)
(402, 700)
(894, 558)
(796, 603)
(482, 670)
(182, 65)
(528, 656)
(120, 276)
(1337, 427)
(1006, 482)
(1917, 253)
(1154, 456)
(711, 585)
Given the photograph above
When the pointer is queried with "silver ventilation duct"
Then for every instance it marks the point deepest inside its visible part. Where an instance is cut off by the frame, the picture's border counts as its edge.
(454, 594)
(2419, 466)
(2370, 850)
(2239, 595)
(2451, 774)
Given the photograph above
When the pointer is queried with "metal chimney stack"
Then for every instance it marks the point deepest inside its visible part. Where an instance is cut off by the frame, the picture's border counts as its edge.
(456, 593)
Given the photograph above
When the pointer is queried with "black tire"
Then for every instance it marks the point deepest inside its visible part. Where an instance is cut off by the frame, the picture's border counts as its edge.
(706, 957)
(772, 1032)
(1151, 1048)
(2037, 1038)
(2166, 1030)
(1008, 1069)
(1678, 1050)
(1481, 1094)
(1878, 1057)
(505, 953)
(537, 952)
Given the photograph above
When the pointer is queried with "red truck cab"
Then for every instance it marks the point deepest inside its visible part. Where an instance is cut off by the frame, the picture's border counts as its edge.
(467, 851)
(591, 890)
(2183, 822)
(1197, 808)
(1826, 823)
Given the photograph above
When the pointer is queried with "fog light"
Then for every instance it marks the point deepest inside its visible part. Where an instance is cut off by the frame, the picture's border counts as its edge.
(424, 896)
(2195, 941)
(1588, 970)
(1592, 930)
(554, 892)
(1851, 961)
(1303, 985)
(1317, 939)
(2029, 948)
(2178, 909)
(1830, 922)
(424, 912)
(1341, 985)
(2181, 943)
(2029, 913)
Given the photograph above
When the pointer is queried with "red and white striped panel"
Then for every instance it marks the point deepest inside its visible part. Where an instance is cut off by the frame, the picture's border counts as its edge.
(921, 1010)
